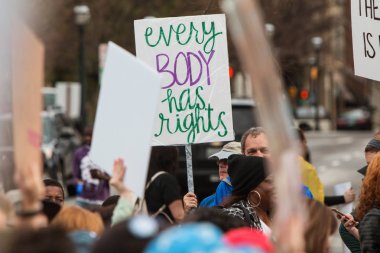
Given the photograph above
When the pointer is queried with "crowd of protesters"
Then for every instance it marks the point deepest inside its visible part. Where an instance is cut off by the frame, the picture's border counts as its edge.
(236, 218)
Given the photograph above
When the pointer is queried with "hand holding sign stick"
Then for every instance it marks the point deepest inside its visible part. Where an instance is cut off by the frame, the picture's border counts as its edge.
(254, 50)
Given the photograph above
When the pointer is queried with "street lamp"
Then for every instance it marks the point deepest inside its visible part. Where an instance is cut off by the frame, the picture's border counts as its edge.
(82, 17)
(317, 43)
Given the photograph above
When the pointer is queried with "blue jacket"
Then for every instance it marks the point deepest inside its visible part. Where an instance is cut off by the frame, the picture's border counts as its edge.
(224, 190)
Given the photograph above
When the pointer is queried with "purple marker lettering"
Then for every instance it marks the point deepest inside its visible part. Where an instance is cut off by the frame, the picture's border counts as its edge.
(163, 69)
(175, 69)
(190, 70)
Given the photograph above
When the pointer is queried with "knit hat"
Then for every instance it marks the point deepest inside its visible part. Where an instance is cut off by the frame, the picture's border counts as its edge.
(230, 148)
(246, 173)
(374, 144)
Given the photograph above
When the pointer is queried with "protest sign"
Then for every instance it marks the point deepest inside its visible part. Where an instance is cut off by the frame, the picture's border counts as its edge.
(125, 115)
(339, 190)
(365, 16)
(191, 55)
(27, 80)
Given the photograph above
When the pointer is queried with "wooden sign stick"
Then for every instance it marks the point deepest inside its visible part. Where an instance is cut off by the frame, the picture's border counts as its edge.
(247, 32)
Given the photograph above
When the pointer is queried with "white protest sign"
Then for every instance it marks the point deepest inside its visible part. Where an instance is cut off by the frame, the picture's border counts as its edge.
(365, 16)
(125, 116)
(339, 190)
(191, 55)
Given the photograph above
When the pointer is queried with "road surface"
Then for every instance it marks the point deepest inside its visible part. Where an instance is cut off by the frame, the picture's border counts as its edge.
(337, 157)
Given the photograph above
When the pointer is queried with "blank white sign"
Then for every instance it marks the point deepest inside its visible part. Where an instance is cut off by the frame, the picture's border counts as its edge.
(125, 116)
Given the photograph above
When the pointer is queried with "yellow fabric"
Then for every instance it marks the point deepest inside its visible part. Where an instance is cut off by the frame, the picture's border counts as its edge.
(311, 180)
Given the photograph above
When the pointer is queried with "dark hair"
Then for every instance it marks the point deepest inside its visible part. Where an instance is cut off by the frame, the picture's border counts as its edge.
(52, 182)
(106, 210)
(301, 135)
(163, 158)
(302, 138)
(216, 217)
(87, 135)
(370, 149)
(227, 202)
(111, 200)
(52, 240)
(120, 239)
(254, 132)
(106, 213)
(88, 131)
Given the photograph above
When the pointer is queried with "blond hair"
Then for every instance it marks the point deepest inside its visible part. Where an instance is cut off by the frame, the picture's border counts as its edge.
(74, 218)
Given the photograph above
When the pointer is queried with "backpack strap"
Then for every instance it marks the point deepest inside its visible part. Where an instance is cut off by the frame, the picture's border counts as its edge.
(140, 204)
(160, 211)
(153, 178)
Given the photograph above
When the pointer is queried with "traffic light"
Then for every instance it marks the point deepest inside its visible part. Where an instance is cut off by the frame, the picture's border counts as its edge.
(314, 73)
(293, 91)
(231, 72)
(304, 94)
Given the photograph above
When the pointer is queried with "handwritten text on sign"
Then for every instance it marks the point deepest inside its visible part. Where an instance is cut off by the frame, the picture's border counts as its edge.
(365, 16)
(191, 55)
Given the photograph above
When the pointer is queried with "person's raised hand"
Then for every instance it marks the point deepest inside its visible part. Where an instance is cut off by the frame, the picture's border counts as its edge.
(190, 201)
(118, 174)
(349, 195)
(29, 181)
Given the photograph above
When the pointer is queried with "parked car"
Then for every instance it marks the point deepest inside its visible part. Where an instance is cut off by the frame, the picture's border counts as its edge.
(305, 117)
(205, 171)
(355, 119)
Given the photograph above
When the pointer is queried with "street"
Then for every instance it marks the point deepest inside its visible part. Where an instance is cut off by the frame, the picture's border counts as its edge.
(337, 157)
